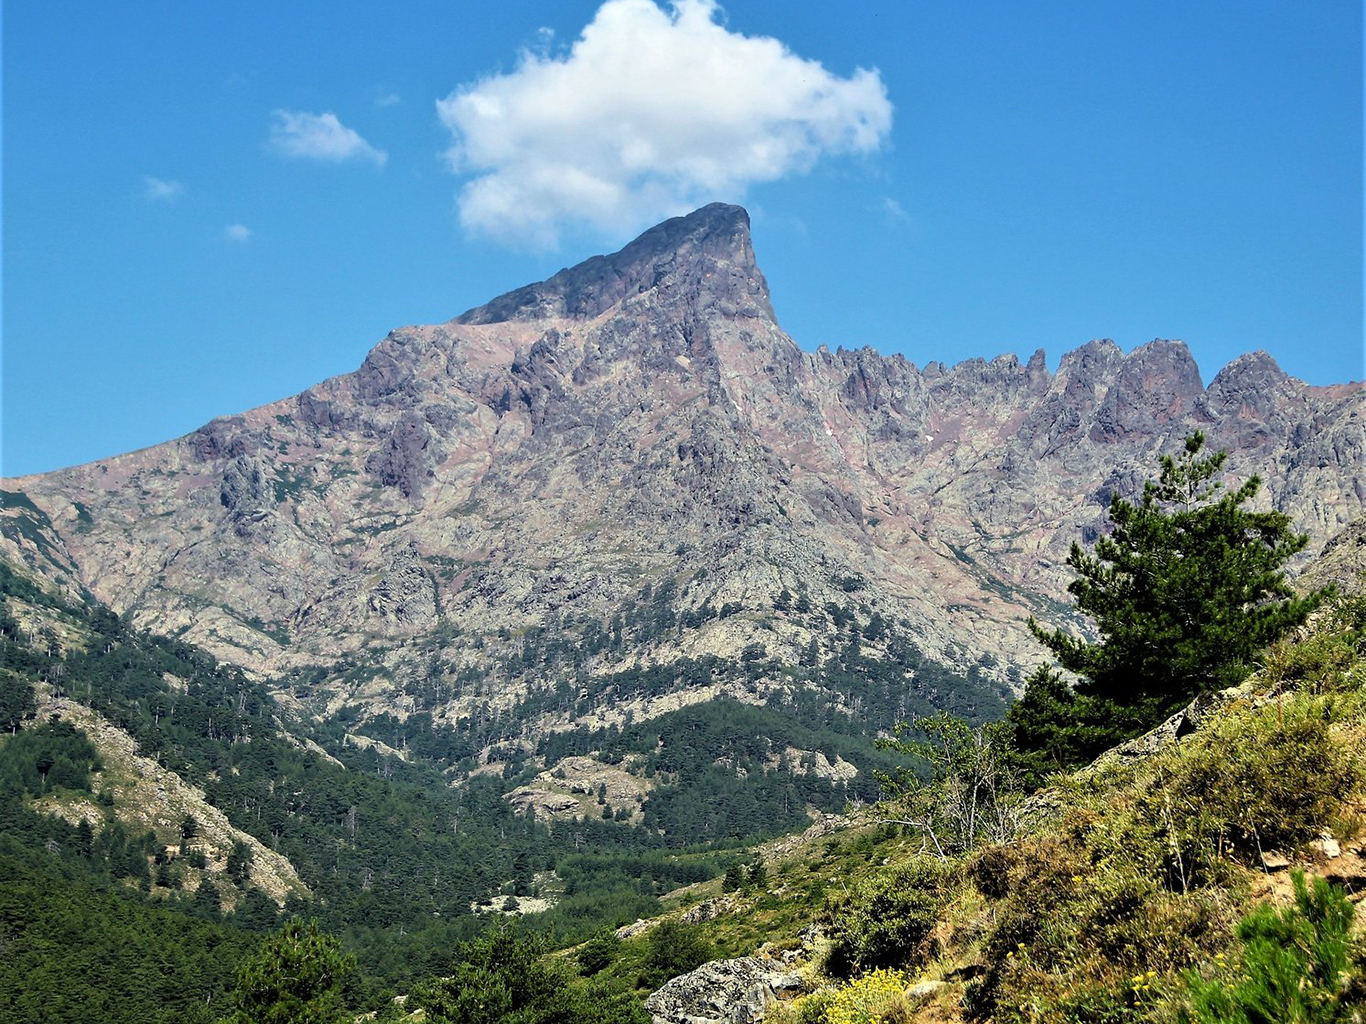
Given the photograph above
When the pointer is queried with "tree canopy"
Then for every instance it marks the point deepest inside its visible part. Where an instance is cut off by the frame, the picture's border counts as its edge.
(296, 978)
(1185, 590)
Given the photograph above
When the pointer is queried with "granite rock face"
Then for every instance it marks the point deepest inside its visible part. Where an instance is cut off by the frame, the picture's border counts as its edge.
(722, 992)
(1342, 564)
(635, 430)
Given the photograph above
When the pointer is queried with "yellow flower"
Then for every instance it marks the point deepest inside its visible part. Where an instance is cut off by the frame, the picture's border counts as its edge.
(863, 1001)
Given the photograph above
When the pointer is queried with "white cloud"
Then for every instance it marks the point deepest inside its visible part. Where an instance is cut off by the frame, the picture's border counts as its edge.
(388, 99)
(239, 233)
(161, 189)
(894, 210)
(649, 113)
(320, 137)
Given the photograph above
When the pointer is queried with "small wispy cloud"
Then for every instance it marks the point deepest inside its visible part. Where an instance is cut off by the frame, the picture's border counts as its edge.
(239, 233)
(296, 133)
(894, 210)
(388, 99)
(545, 40)
(161, 190)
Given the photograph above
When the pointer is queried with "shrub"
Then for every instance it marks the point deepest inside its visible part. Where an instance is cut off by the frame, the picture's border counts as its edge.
(598, 952)
(1323, 660)
(989, 871)
(1256, 781)
(807, 1009)
(504, 978)
(1298, 964)
(673, 948)
(888, 919)
(875, 998)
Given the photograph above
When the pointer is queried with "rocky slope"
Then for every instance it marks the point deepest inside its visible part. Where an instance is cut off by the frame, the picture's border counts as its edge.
(632, 464)
(148, 797)
(1343, 562)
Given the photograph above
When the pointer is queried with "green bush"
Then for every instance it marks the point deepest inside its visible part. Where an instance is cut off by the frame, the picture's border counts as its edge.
(505, 978)
(989, 872)
(672, 948)
(1298, 964)
(1329, 658)
(1259, 780)
(887, 920)
(599, 952)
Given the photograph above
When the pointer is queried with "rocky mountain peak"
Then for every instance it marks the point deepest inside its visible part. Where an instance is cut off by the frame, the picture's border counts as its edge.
(1250, 372)
(574, 480)
(704, 259)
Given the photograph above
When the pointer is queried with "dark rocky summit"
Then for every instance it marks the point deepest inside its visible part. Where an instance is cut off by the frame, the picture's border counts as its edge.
(706, 253)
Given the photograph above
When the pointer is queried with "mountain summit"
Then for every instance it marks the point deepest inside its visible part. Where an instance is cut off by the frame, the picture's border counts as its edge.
(603, 497)
(705, 259)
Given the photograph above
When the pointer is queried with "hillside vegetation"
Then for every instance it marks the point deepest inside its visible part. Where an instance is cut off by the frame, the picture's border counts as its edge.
(1123, 895)
(1206, 867)
(1211, 871)
(143, 782)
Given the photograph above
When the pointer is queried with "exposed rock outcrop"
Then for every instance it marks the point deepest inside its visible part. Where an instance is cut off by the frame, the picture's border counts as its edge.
(1342, 563)
(722, 992)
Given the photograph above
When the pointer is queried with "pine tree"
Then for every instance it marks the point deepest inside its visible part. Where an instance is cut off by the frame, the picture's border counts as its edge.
(1185, 589)
(17, 704)
(206, 902)
(734, 879)
(296, 978)
(758, 874)
(238, 866)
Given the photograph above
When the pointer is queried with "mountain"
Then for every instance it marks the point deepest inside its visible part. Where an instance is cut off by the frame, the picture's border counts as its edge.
(563, 604)
(601, 498)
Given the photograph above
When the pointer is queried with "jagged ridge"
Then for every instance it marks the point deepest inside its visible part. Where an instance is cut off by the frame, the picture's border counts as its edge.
(552, 461)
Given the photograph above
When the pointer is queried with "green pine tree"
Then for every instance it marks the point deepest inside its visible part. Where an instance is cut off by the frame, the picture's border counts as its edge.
(296, 978)
(1184, 591)
(734, 878)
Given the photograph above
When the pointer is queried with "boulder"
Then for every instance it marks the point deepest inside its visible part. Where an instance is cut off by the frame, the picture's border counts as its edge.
(637, 927)
(708, 909)
(925, 990)
(722, 992)
(1185, 722)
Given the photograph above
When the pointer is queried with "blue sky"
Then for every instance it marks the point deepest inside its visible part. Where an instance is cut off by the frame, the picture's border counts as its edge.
(187, 234)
